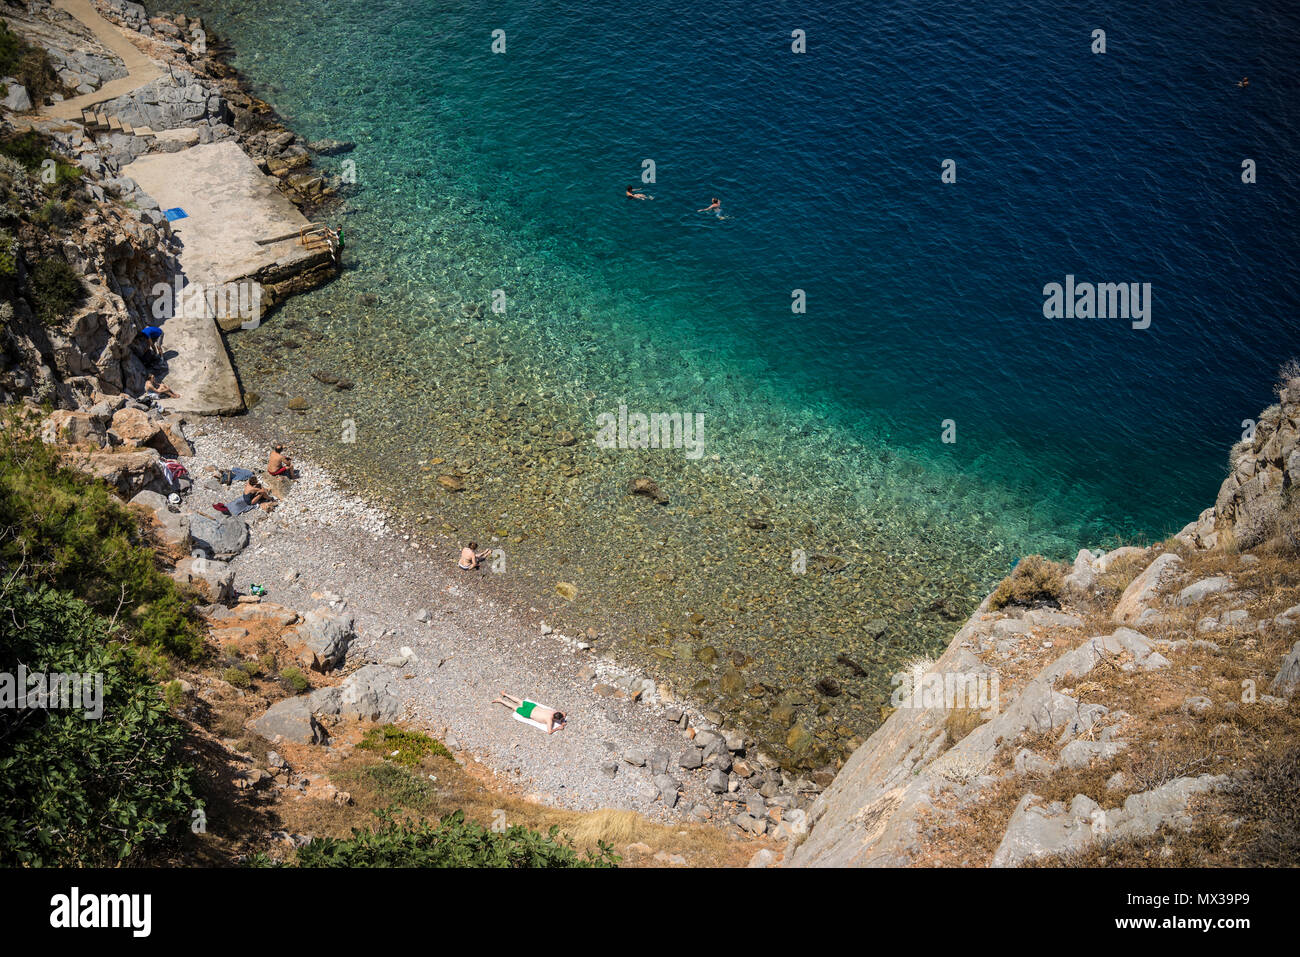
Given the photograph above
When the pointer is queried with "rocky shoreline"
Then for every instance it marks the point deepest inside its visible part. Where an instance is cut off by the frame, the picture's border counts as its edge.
(1127, 709)
(673, 757)
(1100, 664)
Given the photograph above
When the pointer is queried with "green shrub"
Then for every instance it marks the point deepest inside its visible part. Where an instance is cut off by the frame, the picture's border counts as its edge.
(29, 65)
(294, 680)
(54, 289)
(238, 677)
(30, 149)
(410, 746)
(77, 792)
(452, 842)
(398, 786)
(173, 695)
(8, 255)
(66, 530)
(1033, 581)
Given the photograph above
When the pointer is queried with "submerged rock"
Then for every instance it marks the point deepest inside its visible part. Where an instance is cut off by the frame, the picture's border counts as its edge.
(649, 488)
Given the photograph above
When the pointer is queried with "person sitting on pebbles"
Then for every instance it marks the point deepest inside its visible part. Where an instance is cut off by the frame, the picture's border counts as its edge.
(254, 494)
(548, 719)
(470, 556)
(278, 463)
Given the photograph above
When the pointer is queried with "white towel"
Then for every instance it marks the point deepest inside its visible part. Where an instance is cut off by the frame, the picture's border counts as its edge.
(536, 724)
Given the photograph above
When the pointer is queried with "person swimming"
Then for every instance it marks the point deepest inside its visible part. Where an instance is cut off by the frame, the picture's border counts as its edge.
(1244, 82)
(716, 205)
(633, 194)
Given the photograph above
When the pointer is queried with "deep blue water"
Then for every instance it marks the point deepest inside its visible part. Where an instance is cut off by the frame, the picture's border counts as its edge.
(924, 298)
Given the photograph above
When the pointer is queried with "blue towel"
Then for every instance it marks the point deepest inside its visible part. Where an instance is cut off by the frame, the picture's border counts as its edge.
(175, 213)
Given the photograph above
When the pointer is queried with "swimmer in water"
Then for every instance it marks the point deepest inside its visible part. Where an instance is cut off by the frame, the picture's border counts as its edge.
(1244, 82)
(715, 205)
(633, 194)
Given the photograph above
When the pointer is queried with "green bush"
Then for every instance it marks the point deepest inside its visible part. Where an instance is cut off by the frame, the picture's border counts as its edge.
(294, 680)
(77, 792)
(66, 530)
(29, 65)
(410, 746)
(173, 695)
(398, 786)
(452, 842)
(54, 289)
(8, 255)
(238, 677)
(29, 148)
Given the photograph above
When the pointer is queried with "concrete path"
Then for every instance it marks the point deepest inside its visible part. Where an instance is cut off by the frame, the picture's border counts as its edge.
(140, 68)
(231, 204)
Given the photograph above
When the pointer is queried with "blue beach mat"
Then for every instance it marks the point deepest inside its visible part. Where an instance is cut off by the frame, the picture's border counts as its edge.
(175, 213)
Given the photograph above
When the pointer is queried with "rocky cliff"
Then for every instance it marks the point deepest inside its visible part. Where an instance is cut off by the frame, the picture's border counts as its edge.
(64, 198)
(1129, 709)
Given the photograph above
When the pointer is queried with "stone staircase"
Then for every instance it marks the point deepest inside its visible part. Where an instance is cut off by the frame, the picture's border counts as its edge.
(96, 120)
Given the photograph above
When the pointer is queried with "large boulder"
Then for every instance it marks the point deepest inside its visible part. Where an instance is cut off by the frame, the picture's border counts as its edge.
(1288, 676)
(368, 694)
(16, 98)
(221, 538)
(290, 720)
(213, 580)
(134, 429)
(326, 637)
(129, 472)
(1143, 591)
(1078, 583)
(172, 528)
(1036, 830)
(74, 428)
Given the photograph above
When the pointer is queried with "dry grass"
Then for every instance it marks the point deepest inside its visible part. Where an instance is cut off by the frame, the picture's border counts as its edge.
(1111, 583)
(961, 722)
(1034, 581)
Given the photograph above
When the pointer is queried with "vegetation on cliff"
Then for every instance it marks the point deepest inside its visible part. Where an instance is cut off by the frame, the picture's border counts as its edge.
(81, 594)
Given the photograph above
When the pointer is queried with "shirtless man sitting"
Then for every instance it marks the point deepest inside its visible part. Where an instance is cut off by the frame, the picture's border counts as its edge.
(279, 463)
(254, 494)
(470, 557)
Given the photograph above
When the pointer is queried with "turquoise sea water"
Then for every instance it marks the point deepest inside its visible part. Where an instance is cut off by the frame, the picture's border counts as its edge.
(479, 171)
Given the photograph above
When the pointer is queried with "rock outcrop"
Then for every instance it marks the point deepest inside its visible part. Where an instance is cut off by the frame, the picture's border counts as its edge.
(938, 753)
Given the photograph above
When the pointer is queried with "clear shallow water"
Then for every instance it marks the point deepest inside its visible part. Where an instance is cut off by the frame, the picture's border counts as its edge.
(477, 172)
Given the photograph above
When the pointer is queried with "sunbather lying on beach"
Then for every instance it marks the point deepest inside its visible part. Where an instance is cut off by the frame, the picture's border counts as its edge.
(547, 719)
(279, 463)
(470, 556)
